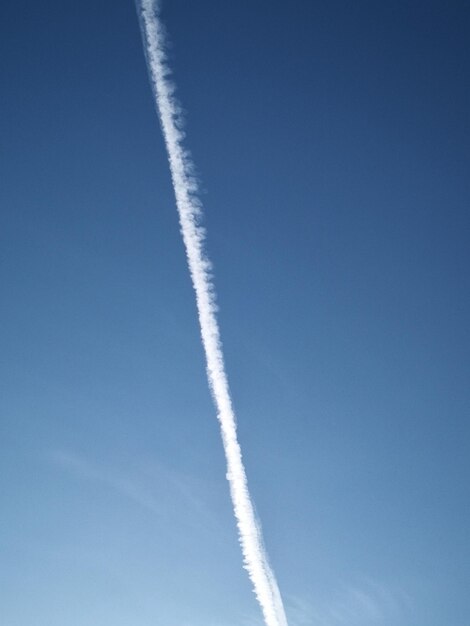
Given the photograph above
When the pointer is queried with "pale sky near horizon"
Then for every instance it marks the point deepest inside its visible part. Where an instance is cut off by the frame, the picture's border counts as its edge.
(332, 143)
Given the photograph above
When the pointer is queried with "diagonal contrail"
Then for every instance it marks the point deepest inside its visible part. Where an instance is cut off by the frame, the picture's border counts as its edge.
(189, 210)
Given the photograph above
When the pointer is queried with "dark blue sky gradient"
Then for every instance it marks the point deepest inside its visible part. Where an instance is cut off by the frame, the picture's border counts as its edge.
(332, 143)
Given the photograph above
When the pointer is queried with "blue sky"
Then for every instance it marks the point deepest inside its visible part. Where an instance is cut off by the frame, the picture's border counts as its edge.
(332, 143)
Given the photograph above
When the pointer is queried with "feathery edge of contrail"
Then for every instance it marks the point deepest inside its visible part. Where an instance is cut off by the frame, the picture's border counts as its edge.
(185, 186)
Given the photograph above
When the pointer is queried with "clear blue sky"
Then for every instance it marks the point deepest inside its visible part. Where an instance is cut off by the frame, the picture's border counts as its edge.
(332, 142)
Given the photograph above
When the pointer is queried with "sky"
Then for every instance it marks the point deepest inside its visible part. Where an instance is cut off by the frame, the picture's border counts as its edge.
(331, 139)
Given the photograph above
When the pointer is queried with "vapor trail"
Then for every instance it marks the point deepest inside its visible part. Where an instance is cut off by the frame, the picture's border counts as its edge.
(189, 210)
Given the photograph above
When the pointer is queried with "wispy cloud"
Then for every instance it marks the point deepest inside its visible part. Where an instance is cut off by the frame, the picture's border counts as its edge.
(147, 484)
(111, 478)
(190, 211)
(364, 603)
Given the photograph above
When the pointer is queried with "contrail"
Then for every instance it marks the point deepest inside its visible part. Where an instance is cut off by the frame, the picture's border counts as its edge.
(190, 213)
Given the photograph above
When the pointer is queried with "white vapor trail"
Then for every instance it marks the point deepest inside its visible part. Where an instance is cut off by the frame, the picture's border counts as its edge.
(190, 210)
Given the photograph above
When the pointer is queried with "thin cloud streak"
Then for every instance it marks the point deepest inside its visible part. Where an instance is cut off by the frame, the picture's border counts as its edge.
(149, 485)
(362, 603)
(119, 482)
(190, 213)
